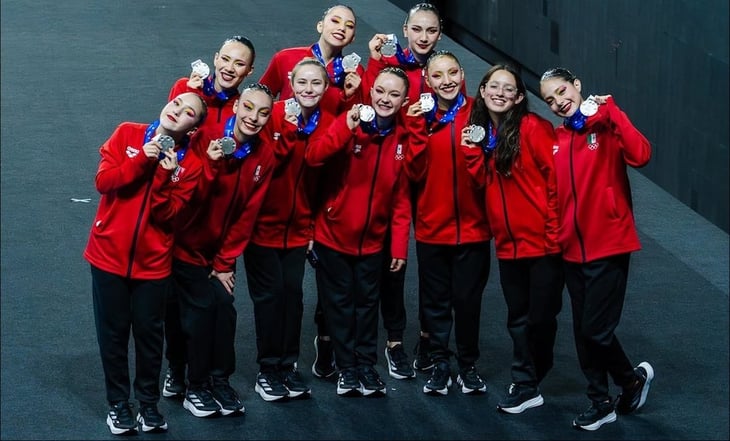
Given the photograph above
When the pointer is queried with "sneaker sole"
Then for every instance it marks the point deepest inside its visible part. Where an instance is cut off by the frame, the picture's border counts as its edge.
(422, 368)
(532, 402)
(167, 394)
(226, 412)
(265, 395)
(146, 428)
(348, 392)
(468, 391)
(610, 418)
(198, 412)
(372, 392)
(117, 430)
(428, 391)
(649, 376)
(298, 393)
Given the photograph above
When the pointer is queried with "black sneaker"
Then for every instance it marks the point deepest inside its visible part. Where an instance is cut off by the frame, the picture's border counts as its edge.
(270, 387)
(370, 381)
(632, 398)
(227, 398)
(121, 419)
(398, 365)
(151, 419)
(520, 397)
(174, 386)
(440, 380)
(294, 383)
(348, 383)
(422, 361)
(470, 381)
(200, 402)
(324, 358)
(596, 416)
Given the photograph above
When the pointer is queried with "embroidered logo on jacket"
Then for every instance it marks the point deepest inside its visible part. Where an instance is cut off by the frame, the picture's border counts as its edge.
(357, 149)
(399, 152)
(592, 141)
(257, 174)
(132, 152)
(555, 149)
(176, 174)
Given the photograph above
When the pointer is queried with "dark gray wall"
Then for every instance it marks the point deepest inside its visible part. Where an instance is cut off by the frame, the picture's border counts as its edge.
(665, 63)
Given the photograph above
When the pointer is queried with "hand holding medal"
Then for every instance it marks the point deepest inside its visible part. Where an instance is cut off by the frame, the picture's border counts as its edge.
(350, 62)
(390, 46)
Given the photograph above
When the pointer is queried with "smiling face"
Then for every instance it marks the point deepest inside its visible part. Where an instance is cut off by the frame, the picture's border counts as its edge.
(253, 110)
(337, 27)
(309, 82)
(423, 31)
(182, 114)
(444, 75)
(500, 92)
(233, 63)
(388, 94)
(562, 96)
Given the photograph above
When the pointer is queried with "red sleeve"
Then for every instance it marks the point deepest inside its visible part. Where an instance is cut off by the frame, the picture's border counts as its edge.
(180, 86)
(474, 158)
(636, 148)
(172, 190)
(116, 168)
(541, 140)
(400, 222)
(416, 157)
(272, 77)
(238, 236)
(328, 142)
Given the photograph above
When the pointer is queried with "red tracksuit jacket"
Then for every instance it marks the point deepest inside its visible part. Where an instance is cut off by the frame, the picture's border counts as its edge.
(364, 189)
(218, 110)
(217, 225)
(594, 195)
(279, 70)
(522, 208)
(285, 219)
(132, 231)
(449, 181)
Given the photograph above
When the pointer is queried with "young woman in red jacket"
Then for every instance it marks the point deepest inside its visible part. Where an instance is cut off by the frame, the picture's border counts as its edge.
(275, 257)
(336, 31)
(146, 175)
(231, 65)
(209, 236)
(364, 189)
(451, 229)
(522, 209)
(596, 143)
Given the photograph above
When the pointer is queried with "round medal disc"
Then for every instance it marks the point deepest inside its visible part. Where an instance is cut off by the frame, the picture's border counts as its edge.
(476, 133)
(389, 48)
(292, 107)
(165, 141)
(367, 113)
(351, 61)
(200, 68)
(427, 102)
(228, 145)
(589, 107)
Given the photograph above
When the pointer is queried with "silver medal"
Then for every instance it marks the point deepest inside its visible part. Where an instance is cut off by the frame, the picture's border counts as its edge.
(589, 107)
(389, 48)
(228, 145)
(427, 102)
(476, 133)
(166, 142)
(292, 107)
(200, 68)
(367, 113)
(351, 61)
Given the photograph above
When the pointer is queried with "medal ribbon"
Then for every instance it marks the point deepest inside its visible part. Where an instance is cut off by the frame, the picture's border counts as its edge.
(246, 148)
(450, 114)
(311, 124)
(491, 144)
(405, 57)
(372, 127)
(338, 78)
(575, 122)
(209, 90)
